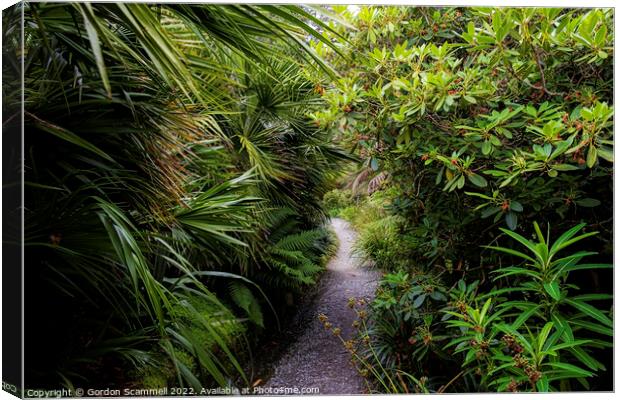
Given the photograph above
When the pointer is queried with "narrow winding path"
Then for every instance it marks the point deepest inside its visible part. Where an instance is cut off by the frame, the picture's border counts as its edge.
(318, 359)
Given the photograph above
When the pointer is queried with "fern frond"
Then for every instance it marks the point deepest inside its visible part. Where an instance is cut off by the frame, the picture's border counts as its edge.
(244, 298)
(302, 241)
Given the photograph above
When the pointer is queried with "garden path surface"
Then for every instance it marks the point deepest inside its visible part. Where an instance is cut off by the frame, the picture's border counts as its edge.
(318, 359)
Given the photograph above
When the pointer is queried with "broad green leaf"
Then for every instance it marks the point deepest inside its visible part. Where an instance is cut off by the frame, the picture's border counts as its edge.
(591, 157)
(511, 220)
(470, 99)
(477, 180)
(516, 206)
(564, 167)
(588, 202)
(486, 147)
(418, 301)
(553, 289)
(544, 333)
(437, 295)
(542, 385)
(606, 153)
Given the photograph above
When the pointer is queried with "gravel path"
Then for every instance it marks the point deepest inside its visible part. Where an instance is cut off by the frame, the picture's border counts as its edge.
(318, 359)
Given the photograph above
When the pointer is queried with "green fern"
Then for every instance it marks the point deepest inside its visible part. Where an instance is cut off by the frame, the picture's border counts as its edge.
(288, 277)
(303, 241)
(243, 297)
(281, 222)
(294, 255)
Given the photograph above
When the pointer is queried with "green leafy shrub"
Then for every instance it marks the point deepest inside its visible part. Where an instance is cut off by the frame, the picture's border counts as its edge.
(381, 242)
(541, 333)
(468, 120)
(336, 200)
(350, 213)
(366, 209)
(464, 113)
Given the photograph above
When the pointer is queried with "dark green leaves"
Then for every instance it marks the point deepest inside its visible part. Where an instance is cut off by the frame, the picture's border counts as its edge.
(419, 301)
(591, 311)
(553, 289)
(516, 206)
(588, 202)
(477, 180)
(511, 220)
(172, 134)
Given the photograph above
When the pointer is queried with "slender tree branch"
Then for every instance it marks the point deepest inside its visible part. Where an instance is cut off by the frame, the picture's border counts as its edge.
(542, 74)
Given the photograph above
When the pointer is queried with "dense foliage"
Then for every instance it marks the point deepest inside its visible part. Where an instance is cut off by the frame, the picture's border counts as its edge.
(179, 161)
(473, 125)
(172, 188)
